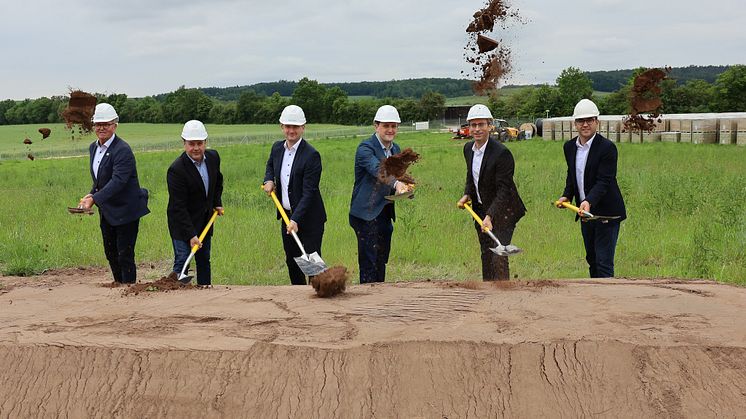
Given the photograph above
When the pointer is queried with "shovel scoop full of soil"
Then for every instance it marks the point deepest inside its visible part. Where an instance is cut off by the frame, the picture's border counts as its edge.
(396, 167)
(330, 282)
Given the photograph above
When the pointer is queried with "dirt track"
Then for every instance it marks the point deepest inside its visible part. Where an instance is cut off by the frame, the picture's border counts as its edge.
(616, 348)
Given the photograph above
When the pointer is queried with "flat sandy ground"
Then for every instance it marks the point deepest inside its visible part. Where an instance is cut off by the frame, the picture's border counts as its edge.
(70, 347)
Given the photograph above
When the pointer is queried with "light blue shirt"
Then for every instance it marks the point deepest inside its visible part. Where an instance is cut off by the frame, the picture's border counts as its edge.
(202, 169)
(581, 158)
(100, 153)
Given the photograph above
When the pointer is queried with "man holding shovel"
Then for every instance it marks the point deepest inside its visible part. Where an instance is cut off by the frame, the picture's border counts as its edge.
(371, 215)
(195, 190)
(294, 169)
(490, 188)
(117, 194)
(591, 181)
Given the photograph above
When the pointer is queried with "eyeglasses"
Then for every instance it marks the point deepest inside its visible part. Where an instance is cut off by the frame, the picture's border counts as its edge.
(478, 126)
(583, 121)
(103, 126)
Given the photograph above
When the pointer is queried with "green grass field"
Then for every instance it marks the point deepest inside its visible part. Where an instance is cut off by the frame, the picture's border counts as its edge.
(685, 204)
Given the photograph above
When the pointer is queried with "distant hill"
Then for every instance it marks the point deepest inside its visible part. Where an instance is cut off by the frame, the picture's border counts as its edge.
(611, 81)
(603, 81)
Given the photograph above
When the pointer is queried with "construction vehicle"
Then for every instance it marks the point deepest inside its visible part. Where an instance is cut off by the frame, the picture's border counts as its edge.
(500, 131)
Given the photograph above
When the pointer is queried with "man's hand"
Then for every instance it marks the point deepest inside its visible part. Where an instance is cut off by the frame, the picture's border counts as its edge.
(269, 187)
(292, 227)
(560, 201)
(219, 210)
(585, 206)
(194, 241)
(86, 202)
(464, 199)
(487, 223)
(402, 187)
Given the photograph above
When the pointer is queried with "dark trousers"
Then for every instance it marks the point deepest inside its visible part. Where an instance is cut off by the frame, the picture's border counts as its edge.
(600, 239)
(311, 238)
(201, 259)
(494, 267)
(373, 244)
(119, 247)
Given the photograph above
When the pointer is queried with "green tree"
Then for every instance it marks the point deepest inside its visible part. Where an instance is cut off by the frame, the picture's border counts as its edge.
(269, 112)
(309, 95)
(185, 104)
(248, 104)
(331, 96)
(730, 88)
(431, 106)
(573, 85)
(4, 107)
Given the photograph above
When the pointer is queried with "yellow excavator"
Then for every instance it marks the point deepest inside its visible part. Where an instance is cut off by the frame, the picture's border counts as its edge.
(503, 132)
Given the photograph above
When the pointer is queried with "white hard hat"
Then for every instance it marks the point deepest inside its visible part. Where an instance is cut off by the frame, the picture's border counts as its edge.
(479, 111)
(194, 131)
(585, 109)
(293, 115)
(104, 113)
(387, 113)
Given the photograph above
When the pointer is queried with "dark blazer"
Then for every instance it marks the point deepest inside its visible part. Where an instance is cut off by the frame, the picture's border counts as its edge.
(601, 188)
(499, 194)
(116, 190)
(306, 205)
(368, 192)
(189, 208)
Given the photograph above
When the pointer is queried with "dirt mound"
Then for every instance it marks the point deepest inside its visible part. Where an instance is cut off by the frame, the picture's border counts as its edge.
(330, 282)
(79, 112)
(397, 165)
(490, 58)
(610, 348)
(644, 101)
(45, 132)
(165, 284)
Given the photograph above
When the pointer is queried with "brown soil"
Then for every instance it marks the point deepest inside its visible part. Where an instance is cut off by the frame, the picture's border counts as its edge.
(79, 112)
(27, 141)
(612, 348)
(645, 99)
(165, 284)
(30, 156)
(490, 58)
(397, 165)
(330, 282)
(45, 132)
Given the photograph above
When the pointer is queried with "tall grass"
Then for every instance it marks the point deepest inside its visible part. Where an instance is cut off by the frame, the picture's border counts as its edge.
(685, 204)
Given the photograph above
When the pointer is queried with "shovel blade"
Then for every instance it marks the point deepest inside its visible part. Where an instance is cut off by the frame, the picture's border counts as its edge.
(311, 265)
(185, 279)
(508, 250)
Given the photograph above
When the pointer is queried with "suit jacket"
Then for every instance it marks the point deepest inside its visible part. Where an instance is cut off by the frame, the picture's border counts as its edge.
(306, 205)
(116, 190)
(601, 188)
(499, 194)
(368, 192)
(189, 208)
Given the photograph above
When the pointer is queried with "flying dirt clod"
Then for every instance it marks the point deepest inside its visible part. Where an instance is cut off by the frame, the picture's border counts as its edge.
(644, 101)
(79, 112)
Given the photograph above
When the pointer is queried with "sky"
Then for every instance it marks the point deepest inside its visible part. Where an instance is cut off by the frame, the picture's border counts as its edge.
(147, 47)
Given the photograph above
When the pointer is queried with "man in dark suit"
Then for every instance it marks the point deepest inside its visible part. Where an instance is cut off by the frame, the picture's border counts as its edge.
(371, 215)
(294, 170)
(591, 182)
(195, 190)
(117, 193)
(490, 188)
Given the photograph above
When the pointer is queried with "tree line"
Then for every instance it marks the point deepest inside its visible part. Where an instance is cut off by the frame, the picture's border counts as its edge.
(726, 94)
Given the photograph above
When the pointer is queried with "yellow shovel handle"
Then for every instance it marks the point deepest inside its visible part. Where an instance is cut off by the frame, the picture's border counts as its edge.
(574, 208)
(473, 214)
(204, 232)
(279, 207)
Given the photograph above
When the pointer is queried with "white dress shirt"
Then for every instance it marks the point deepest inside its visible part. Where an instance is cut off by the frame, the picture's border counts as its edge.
(581, 157)
(476, 165)
(101, 151)
(287, 166)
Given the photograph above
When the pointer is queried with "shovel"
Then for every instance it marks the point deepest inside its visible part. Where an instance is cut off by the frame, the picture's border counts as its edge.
(310, 265)
(185, 279)
(585, 215)
(499, 250)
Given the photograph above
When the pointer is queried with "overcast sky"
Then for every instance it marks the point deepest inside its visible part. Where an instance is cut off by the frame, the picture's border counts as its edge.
(145, 47)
